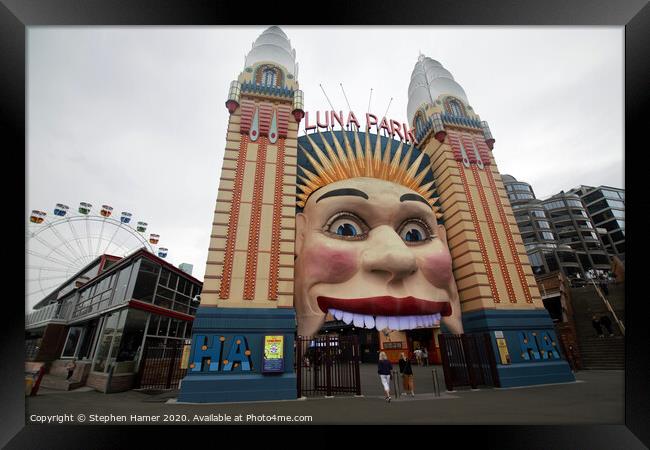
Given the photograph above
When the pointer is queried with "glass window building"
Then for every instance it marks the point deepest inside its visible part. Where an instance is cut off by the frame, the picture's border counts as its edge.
(606, 208)
(108, 317)
(558, 233)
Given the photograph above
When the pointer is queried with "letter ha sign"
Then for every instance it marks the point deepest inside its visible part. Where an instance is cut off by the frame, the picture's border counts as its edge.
(215, 354)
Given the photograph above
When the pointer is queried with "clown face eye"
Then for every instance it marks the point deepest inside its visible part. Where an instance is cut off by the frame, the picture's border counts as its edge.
(415, 231)
(346, 225)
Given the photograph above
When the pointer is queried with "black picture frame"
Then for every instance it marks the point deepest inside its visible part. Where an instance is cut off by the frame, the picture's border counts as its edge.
(634, 15)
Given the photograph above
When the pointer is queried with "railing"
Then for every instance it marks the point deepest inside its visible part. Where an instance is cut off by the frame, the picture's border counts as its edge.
(551, 292)
(65, 312)
(42, 315)
(609, 307)
(55, 312)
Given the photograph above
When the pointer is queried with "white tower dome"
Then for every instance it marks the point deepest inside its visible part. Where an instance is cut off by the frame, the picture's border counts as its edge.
(428, 81)
(273, 46)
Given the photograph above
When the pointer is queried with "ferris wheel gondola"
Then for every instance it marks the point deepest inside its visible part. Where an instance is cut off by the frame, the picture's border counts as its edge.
(61, 245)
(61, 210)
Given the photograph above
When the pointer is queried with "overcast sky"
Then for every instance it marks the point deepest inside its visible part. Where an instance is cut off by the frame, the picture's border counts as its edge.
(135, 117)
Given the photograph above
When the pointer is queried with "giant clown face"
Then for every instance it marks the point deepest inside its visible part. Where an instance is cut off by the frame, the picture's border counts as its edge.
(371, 252)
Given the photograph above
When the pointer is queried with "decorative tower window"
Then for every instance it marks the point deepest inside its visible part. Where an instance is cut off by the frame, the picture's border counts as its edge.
(419, 123)
(269, 77)
(455, 109)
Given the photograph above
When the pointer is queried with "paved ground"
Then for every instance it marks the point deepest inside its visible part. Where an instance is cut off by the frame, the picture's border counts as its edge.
(596, 398)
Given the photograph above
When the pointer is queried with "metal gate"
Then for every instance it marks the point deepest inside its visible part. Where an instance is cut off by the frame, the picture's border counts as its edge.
(468, 360)
(160, 368)
(327, 365)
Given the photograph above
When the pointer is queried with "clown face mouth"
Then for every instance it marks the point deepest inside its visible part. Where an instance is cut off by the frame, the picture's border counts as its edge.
(406, 313)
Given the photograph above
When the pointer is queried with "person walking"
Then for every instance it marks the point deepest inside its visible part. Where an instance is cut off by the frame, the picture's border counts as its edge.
(407, 374)
(607, 323)
(596, 324)
(425, 356)
(70, 366)
(418, 356)
(384, 369)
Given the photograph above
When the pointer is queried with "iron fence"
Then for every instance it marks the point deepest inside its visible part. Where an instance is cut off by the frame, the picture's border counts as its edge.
(468, 360)
(160, 368)
(328, 365)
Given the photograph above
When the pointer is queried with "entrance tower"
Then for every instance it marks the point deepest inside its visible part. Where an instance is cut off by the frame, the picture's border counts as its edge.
(497, 289)
(247, 298)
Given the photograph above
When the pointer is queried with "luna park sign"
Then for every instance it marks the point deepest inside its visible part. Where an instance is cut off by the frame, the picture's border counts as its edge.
(327, 120)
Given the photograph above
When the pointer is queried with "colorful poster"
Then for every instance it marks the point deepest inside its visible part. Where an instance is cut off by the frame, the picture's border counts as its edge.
(185, 357)
(503, 351)
(273, 354)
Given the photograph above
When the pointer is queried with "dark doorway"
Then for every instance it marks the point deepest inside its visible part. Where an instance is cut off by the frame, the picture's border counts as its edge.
(368, 339)
(554, 308)
(369, 345)
(421, 338)
(85, 350)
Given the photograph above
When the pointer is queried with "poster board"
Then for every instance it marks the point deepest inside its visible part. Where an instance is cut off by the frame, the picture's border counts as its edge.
(273, 354)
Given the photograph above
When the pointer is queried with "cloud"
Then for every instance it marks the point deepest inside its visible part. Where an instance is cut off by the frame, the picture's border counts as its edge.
(135, 117)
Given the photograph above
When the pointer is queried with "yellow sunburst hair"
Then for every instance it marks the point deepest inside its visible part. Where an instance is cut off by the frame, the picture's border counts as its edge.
(353, 160)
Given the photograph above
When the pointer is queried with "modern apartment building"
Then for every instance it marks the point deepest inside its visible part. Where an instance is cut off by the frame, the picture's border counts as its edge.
(545, 253)
(606, 207)
(574, 228)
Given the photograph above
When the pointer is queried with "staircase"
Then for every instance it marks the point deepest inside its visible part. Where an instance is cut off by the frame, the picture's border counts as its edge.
(57, 376)
(606, 352)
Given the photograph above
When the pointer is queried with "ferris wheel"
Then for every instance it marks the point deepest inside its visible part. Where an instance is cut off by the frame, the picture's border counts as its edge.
(60, 245)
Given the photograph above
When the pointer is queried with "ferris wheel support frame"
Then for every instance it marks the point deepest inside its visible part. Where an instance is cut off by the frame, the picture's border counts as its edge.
(67, 264)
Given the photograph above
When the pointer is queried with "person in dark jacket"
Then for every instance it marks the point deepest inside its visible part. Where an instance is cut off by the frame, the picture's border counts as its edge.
(384, 369)
(407, 374)
(603, 286)
(596, 324)
(607, 323)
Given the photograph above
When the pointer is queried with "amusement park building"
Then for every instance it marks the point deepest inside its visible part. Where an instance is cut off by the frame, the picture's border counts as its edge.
(109, 312)
(259, 263)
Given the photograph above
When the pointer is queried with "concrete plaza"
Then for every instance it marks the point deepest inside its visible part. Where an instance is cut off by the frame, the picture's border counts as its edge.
(597, 397)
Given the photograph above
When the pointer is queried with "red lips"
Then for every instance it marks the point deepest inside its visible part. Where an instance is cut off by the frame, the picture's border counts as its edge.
(385, 306)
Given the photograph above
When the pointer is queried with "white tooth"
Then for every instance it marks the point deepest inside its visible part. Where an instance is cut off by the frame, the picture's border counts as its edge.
(419, 321)
(393, 323)
(358, 320)
(348, 317)
(404, 323)
(369, 321)
(381, 322)
(412, 323)
(338, 314)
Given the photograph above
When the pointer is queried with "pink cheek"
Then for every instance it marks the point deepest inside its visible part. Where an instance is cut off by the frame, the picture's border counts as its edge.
(437, 267)
(327, 265)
